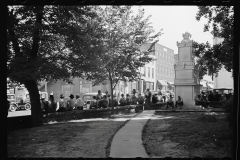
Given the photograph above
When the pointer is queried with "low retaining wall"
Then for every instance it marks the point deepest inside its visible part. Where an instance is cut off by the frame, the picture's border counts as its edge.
(84, 114)
(20, 122)
(213, 104)
(158, 106)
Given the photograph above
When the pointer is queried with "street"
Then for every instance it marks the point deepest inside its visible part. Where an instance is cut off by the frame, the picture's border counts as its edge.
(19, 113)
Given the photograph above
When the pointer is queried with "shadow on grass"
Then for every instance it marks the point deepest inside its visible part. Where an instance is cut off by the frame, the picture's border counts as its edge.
(196, 134)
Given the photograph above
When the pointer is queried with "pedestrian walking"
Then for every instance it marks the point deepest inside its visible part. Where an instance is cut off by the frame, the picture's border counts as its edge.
(98, 97)
(62, 104)
(79, 103)
(70, 103)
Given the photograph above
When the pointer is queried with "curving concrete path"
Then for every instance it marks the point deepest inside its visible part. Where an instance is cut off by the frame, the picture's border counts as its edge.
(127, 142)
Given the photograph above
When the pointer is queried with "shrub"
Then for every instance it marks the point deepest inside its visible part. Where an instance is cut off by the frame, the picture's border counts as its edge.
(228, 108)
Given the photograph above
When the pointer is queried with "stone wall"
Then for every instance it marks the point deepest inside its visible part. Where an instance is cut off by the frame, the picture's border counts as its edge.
(157, 106)
(84, 114)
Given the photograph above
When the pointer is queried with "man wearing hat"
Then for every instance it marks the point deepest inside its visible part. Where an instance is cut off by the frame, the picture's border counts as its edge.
(62, 104)
(70, 103)
(53, 104)
(79, 103)
(44, 104)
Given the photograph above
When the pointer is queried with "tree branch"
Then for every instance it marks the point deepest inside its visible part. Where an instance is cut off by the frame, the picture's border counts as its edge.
(36, 32)
(12, 34)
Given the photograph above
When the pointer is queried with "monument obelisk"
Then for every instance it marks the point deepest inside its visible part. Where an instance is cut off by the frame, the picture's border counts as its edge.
(186, 81)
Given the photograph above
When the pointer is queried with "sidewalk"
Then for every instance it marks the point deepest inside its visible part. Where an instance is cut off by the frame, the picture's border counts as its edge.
(127, 142)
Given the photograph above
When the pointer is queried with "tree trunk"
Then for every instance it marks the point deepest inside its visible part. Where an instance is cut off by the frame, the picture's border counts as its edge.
(111, 87)
(36, 112)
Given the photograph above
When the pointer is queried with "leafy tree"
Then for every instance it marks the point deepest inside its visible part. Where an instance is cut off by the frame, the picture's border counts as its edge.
(48, 42)
(221, 18)
(126, 45)
(204, 62)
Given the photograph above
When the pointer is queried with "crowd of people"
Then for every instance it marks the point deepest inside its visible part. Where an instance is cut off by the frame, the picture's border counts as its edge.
(104, 101)
(204, 98)
(62, 105)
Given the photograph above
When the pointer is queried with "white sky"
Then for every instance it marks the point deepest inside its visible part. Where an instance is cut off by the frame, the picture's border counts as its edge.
(176, 20)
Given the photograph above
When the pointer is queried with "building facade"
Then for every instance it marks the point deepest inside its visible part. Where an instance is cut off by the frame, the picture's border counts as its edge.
(164, 68)
(156, 75)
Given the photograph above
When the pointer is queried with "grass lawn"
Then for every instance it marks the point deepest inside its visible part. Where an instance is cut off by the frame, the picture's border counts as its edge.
(188, 135)
(68, 139)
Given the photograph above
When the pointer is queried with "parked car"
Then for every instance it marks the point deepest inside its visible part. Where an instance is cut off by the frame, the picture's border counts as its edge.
(13, 104)
(87, 98)
(18, 105)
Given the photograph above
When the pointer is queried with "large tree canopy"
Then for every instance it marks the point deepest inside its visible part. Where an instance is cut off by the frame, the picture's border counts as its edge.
(220, 22)
(49, 41)
(126, 45)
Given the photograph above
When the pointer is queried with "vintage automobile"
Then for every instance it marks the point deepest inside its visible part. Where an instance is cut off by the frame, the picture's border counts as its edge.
(87, 98)
(12, 99)
(23, 103)
(18, 105)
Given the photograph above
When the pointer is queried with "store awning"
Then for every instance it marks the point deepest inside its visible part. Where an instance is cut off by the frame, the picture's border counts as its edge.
(162, 82)
(171, 83)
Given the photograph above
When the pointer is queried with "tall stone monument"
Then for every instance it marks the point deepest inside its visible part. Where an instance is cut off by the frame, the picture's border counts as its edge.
(186, 81)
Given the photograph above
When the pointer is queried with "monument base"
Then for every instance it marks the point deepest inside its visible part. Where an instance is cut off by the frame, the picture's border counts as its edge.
(190, 105)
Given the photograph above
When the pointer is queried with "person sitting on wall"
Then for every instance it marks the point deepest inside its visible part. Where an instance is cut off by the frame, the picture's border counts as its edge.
(140, 99)
(204, 101)
(217, 97)
(104, 102)
(198, 100)
(62, 104)
(52, 104)
(179, 102)
(210, 96)
(128, 100)
(79, 103)
(93, 103)
(70, 103)
(159, 97)
(148, 96)
(170, 102)
(122, 100)
(154, 99)
(44, 105)
(133, 99)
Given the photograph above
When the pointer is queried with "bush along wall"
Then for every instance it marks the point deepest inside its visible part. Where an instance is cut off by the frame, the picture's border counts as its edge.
(228, 109)
(84, 114)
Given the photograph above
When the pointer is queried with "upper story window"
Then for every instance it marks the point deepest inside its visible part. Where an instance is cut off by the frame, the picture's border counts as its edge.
(152, 73)
(144, 71)
(149, 72)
